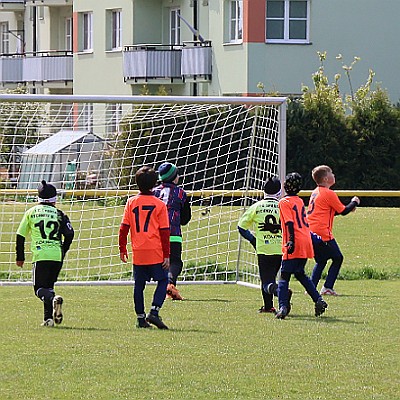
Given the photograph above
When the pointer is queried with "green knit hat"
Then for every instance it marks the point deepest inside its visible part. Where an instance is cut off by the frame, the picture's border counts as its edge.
(167, 172)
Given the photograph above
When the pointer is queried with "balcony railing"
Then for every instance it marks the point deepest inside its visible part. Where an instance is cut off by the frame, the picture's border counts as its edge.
(49, 3)
(191, 61)
(39, 67)
(12, 5)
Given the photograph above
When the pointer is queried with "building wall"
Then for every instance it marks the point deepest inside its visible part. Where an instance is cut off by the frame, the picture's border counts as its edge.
(369, 30)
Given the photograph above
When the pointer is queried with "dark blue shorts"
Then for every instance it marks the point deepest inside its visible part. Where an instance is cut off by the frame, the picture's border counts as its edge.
(294, 265)
(145, 273)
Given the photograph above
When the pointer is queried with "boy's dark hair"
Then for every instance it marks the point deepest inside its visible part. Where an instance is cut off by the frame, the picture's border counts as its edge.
(146, 178)
(292, 184)
(319, 173)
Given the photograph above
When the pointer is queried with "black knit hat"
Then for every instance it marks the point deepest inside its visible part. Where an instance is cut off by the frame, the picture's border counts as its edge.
(272, 186)
(168, 172)
(47, 193)
(292, 184)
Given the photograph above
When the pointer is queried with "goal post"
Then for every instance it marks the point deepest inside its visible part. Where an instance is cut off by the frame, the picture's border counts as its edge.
(90, 147)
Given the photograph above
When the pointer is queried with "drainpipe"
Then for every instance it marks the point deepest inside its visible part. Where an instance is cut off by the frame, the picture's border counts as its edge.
(195, 37)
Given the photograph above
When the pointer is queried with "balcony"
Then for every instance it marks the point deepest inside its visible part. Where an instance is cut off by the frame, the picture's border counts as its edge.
(49, 3)
(47, 69)
(174, 64)
(12, 5)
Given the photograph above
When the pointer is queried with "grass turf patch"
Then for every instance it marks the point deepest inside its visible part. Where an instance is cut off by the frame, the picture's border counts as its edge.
(218, 346)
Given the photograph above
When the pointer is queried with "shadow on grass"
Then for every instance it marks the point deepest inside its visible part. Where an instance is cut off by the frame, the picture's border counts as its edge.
(325, 318)
(205, 300)
(81, 328)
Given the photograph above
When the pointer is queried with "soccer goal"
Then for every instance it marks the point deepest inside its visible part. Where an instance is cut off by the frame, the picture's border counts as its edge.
(90, 147)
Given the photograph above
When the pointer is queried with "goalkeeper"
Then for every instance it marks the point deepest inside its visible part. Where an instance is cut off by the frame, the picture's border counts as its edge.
(264, 215)
(47, 227)
(179, 213)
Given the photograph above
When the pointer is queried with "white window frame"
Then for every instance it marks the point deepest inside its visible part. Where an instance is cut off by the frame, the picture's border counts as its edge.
(87, 31)
(174, 26)
(4, 38)
(236, 21)
(114, 117)
(286, 20)
(116, 30)
(68, 34)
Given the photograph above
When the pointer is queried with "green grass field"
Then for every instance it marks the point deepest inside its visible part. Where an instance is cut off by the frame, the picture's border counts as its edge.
(218, 346)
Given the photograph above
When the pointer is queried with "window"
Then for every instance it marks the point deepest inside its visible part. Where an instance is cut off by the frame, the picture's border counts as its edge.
(175, 26)
(287, 21)
(236, 21)
(4, 38)
(114, 116)
(68, 34)
(87, 31)
(116, 29)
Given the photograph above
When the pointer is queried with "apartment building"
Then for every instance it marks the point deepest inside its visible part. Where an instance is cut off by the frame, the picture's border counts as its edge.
(195, 47)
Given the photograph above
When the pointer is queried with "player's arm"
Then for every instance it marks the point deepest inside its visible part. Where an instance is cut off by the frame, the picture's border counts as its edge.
(247, 235)
(123, 241)
(244, 223)
(290, 244)
(68, 233)
(20, 250)
(186, 213)
(355, 201)
(165, 244)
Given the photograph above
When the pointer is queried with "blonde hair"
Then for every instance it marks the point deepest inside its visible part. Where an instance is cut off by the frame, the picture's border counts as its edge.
(320, 172)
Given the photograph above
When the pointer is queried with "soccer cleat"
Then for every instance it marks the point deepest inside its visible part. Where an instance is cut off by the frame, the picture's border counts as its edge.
(263, 309)
(320, 307)
(281, 314)
(289, 307)
(173, 292)
(57, 309)
(156, 320)
(49, 322)
(327, 291)
(142, 323)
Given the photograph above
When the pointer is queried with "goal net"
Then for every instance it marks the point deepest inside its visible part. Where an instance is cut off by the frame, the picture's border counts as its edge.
(90, 147)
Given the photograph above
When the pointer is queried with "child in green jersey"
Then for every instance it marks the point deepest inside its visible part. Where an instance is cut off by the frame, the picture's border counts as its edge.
(51, 236)
(264, 215)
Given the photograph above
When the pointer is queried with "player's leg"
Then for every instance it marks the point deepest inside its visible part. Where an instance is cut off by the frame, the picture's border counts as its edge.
(321, 256)
(306, 281)
(159, 275)
(333, 272)
(266, 277)
(175, 270)
(140, 275)
(287, 267)
(57, 302)
(44, 289)
(320, 304)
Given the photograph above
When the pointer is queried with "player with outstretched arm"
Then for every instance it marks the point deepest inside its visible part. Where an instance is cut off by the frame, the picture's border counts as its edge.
(324, 204)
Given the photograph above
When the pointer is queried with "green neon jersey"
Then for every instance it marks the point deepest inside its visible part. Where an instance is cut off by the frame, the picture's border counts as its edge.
(264, 217)
(44, 223)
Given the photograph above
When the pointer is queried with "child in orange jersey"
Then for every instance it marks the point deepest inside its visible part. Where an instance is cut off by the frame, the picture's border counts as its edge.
(146, 217)
(296, 246)
(324, 204)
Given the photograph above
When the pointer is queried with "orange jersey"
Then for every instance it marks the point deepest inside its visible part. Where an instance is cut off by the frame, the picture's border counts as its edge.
(292, 209)
(323, 206)
(146, 215)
